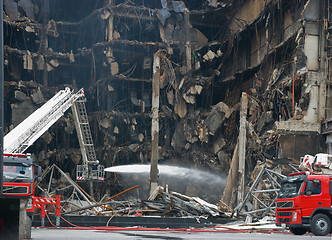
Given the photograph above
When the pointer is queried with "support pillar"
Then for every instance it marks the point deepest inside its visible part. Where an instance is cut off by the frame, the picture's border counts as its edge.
(109, 38)
(314, 49)
(110, 27)
(187, 39)
(155, 124)
(25, 221)
(242, 146)
(229, 193)
(44, 42)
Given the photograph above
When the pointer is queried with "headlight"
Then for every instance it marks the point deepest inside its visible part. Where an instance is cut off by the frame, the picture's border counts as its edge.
(294, 216)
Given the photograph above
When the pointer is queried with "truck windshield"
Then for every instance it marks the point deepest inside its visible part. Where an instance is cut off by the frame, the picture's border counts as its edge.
(290, 189)
(17, 172)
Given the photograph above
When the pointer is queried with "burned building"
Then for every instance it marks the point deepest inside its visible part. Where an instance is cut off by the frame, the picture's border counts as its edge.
(238, 82)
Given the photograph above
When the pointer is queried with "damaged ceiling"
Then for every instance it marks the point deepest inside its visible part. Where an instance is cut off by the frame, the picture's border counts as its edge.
(211, 52)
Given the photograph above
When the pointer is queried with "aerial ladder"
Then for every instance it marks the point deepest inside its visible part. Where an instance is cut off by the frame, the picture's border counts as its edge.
(28, 131)
(91, 169)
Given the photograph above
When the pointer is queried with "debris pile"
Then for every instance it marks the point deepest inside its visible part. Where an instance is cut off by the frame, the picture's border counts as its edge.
(175, 204)
(161, 203)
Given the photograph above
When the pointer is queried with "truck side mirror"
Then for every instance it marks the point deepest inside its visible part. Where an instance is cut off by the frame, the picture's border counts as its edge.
(308, 191)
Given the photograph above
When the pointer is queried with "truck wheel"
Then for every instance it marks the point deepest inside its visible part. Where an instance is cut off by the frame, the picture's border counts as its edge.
(320, 224)
(298, 231)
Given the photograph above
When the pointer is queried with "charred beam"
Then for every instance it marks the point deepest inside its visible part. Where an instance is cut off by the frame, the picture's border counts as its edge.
(155, 124)
(242, 146)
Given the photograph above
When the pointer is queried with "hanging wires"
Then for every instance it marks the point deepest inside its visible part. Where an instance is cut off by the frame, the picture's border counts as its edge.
(167, 71)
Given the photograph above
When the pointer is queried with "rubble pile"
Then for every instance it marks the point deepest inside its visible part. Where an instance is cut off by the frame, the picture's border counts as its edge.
(162, 202)
(176, 204)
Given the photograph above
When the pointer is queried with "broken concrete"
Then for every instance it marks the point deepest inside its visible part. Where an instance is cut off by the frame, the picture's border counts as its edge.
(217, 116)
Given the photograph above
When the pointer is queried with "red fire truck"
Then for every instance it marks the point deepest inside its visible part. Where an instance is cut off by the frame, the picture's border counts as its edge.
(305, 204)
(18, 173)
(18, 179)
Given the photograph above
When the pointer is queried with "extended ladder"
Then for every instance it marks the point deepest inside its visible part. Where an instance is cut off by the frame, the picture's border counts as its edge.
(29, 130)
(90, 168)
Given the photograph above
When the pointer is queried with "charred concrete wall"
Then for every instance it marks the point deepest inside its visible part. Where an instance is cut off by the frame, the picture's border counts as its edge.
(210, 51)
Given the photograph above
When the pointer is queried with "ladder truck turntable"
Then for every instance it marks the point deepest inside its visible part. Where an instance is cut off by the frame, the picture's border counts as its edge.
(304, 202)
(18, 172)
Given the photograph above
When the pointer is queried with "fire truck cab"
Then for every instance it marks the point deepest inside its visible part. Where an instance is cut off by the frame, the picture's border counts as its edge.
(18, 175)
(305, 204)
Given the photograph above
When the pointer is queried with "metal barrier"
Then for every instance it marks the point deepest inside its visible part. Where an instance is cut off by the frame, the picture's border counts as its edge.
(41, 202)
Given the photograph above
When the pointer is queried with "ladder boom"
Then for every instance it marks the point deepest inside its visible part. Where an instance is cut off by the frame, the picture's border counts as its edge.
(29, 130)
(83, 132)
(90, 169)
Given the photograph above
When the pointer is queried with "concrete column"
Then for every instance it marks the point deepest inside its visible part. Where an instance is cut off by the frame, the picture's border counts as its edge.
(109, 36)
(25, 221)
(312, 113)
(242, 146)
(314, 50)
(188, 56)
(323, 105)
(232, 178)
(312, 14)
(187, 39)
(155, 124)
(322, 114)
(46, 9)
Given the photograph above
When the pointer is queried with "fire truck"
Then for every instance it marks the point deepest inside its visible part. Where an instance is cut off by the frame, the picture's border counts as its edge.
(19, 172)
(18, 180)
(304, 203)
